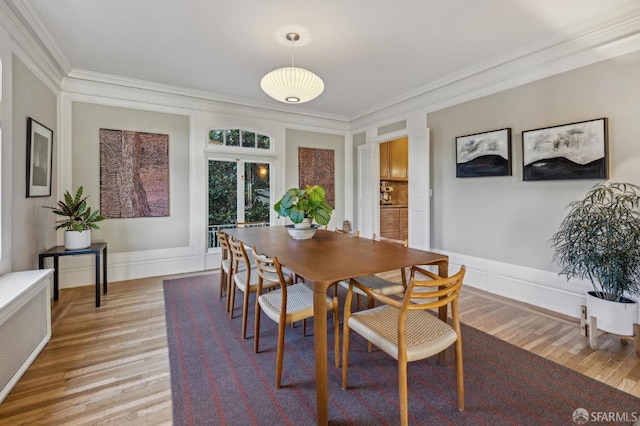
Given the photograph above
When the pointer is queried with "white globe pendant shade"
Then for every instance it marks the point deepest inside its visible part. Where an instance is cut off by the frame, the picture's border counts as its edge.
(292, 85)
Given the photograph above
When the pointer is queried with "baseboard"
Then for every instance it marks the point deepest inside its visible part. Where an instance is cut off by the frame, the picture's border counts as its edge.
(540, 288)
(121, 267)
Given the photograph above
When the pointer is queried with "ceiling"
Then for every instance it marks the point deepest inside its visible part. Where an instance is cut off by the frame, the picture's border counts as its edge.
(370, 53)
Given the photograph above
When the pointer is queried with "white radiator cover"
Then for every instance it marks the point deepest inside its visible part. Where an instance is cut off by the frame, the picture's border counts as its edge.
(25, 323)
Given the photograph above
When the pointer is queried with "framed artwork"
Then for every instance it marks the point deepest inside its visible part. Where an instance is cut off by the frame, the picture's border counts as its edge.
(570, 151)
(484, 154)
(316, 166)
(39, 159)
(134, 174)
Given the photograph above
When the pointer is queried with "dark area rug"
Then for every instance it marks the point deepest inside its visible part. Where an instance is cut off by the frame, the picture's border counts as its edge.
(216, 379)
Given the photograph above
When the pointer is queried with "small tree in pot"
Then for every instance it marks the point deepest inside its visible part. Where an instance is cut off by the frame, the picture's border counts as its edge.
(599, 239)
(79, 219)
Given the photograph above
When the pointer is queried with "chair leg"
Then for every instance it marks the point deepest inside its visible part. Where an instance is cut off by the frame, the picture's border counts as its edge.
(280, 353)
(232, 301)
(336, 332)
(370, 303)
(256, 328)
(245, 313)
(223, 280)
(459, 374)
(345, 353)
(402, 382)
(229, 283)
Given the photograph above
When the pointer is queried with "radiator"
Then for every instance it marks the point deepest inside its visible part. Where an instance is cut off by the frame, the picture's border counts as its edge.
(25, 323)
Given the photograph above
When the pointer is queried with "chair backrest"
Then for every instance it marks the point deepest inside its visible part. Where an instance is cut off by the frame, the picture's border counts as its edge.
(238, 254)
(342, 231)
(250, 224)
(404, 242)
(433, 292)
(223, 239)
(269, 268)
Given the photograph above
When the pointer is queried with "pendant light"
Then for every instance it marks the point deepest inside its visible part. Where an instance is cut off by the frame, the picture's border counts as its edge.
(292, 85)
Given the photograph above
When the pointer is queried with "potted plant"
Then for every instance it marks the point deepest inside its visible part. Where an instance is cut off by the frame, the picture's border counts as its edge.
(304, 206)
(79, 220)
(599, 239)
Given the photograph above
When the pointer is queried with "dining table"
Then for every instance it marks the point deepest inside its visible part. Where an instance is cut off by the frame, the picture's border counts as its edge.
(326, 258)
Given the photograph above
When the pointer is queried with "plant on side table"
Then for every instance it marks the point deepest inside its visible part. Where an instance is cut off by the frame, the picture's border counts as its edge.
(599, 239)
(304, 206)
(79, 220)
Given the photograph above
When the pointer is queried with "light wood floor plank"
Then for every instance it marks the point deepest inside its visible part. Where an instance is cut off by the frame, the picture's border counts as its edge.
(110, 366)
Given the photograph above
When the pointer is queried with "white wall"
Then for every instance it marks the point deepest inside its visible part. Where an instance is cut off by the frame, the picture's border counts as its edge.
(313, 139)
(32, 228)
(501, 226)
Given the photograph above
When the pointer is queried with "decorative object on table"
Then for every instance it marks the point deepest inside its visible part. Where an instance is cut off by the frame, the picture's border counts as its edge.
(484, 154)
(39, 159)
(598, 240)
(304, 206)
(134, 174)
(570, 151)
(80, 219)
(316, 166)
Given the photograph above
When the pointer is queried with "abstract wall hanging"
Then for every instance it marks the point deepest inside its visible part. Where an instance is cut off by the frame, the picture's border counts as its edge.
(570, 151)
(134, 174)
(484, 154)
(317, 167)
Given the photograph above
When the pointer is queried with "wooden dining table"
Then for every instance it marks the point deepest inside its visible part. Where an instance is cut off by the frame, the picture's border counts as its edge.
(326, 258)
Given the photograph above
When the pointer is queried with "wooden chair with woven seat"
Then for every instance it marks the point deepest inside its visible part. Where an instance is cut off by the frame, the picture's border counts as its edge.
(225, 262)
(379, 284)
(408, 331)
(286, 305)
(245, 279)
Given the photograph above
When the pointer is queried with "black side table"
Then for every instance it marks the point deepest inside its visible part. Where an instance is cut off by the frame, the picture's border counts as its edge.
(94, 249)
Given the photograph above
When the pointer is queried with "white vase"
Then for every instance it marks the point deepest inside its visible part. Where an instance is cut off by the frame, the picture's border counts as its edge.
(305, 224)
(613, 317)
(75, 240)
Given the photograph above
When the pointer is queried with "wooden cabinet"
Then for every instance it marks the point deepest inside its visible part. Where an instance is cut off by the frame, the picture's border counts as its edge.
(394, 160)
(394, 222)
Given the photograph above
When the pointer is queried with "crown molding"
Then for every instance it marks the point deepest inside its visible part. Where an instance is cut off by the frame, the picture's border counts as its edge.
(27, 47)
(601, 35)
(79, 76)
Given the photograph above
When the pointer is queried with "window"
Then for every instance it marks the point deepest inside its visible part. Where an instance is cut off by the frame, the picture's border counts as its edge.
(239, 191)
(239, 138)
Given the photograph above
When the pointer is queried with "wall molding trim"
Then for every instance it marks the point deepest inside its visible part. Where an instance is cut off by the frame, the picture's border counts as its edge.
(536, 287)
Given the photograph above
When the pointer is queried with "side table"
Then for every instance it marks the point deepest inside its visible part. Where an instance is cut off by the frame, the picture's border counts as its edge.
(95, 249)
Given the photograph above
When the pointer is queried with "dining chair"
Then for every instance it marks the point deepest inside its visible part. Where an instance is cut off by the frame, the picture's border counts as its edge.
(225, 262)
(377, 283)
(245, 279)
(408, 331)
(250, 224)
(286, 305)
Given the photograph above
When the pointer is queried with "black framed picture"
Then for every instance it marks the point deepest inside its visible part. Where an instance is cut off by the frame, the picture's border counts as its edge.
(569, 151)
(484, 154)
(39, 159)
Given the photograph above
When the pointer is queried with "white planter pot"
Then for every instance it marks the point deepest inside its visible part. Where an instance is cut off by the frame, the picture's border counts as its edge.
(305, 224)
(74, 240)
(613, 317)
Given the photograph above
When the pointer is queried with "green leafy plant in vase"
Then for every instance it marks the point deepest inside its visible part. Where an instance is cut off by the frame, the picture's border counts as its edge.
(302, 207)
(79, 219)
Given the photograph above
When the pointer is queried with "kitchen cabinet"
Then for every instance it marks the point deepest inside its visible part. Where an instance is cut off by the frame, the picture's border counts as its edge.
(394, 222)
(394, 159)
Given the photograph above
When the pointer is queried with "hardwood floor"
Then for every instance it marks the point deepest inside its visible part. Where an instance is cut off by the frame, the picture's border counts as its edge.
(109, 365)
